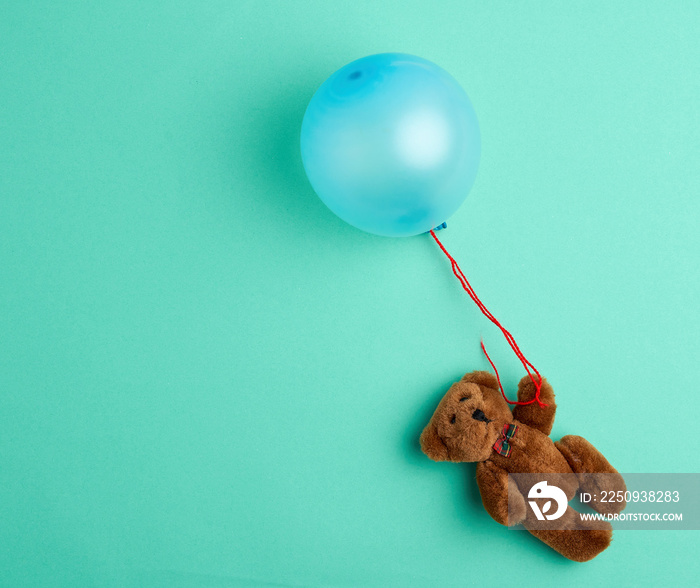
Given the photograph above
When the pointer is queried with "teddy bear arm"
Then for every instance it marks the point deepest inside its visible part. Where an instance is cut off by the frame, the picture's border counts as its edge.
(495, 488)
(535, 416)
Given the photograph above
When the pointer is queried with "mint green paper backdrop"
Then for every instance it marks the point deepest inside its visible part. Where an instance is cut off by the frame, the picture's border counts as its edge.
(206, 379)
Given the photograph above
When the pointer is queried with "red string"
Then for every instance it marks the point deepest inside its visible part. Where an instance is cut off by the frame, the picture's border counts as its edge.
(457, 271)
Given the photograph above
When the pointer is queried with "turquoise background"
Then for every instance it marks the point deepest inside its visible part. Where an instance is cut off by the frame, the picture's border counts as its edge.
(206, 379)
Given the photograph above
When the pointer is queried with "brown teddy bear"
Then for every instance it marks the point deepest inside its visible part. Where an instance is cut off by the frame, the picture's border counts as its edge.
(473, 422)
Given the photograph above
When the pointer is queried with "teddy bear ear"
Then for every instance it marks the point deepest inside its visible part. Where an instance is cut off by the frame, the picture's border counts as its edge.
(432, 445)
(481, 378)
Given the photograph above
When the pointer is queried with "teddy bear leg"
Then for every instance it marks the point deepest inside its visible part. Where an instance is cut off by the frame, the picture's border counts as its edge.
(607, 489)
(574, 538)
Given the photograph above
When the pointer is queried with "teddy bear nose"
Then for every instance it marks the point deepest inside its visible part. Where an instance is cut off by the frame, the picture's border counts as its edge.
(478, 415)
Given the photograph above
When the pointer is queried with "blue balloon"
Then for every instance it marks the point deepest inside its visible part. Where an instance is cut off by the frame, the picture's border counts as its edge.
(391, 144)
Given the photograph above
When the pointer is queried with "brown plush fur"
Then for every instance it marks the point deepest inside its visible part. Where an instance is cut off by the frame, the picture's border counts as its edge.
(455, 434)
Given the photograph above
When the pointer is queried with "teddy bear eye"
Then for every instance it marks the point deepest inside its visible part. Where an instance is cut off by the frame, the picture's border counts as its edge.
(464, 398)
(453, 420)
